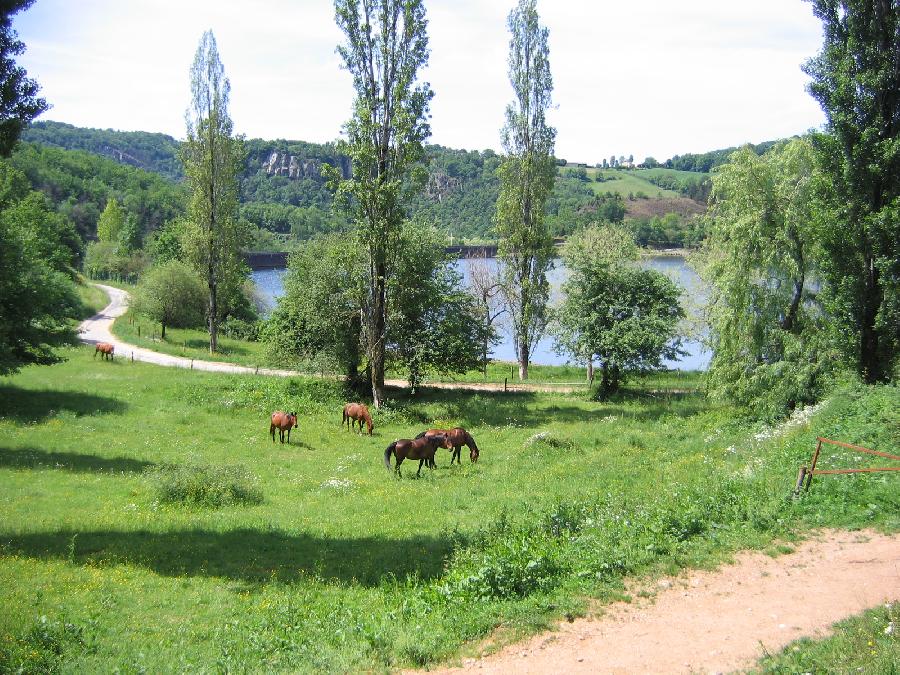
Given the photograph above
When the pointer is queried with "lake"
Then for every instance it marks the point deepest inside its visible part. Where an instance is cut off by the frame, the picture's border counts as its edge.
(271, 287)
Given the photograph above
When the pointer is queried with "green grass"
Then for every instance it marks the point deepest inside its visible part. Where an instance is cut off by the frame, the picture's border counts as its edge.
(342, 567)
(868, 643)
(625, 182)
(93, 299)
(191, 343)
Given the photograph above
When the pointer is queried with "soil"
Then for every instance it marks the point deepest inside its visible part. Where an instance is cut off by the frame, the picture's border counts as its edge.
(718, 621)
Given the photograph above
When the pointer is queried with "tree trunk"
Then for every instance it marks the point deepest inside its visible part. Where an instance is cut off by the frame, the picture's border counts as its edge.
(213, 322)
(870, 363)
(163, 330)
(590, 371)
(377, 335)
(523, 359)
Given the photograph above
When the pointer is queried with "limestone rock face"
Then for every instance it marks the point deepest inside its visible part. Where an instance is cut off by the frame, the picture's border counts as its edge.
(294, 167)
(283, 164)
(440, 185)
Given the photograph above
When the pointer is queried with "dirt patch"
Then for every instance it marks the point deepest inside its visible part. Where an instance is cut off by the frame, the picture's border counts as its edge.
(719, 621)
(647, 208)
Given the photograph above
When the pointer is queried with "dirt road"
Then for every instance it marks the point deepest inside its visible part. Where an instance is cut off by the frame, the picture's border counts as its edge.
(98, 329)
(721, 621)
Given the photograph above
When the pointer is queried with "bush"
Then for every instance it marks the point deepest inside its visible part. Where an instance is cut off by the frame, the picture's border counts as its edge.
(238, 329)
(545, 440)
(206, 485)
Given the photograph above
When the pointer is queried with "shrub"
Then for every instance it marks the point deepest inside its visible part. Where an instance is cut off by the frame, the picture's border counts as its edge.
(206, 485)
(545, 440)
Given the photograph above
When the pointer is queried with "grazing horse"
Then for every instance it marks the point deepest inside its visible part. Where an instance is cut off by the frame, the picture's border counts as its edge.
(105, 350)
(283, 422)
(422, 449)
(357, 412)
(456, 437)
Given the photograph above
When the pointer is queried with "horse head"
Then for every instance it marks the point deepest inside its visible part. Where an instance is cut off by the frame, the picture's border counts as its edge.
(293, 417)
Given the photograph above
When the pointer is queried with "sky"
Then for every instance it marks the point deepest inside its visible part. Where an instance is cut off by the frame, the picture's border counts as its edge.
(644, 78)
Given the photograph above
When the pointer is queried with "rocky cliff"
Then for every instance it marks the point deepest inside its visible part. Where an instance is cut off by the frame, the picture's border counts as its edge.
(295, 167)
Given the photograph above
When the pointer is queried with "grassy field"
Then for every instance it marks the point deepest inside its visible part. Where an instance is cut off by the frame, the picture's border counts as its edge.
(625, 182)
(150, 524)
(191, 343)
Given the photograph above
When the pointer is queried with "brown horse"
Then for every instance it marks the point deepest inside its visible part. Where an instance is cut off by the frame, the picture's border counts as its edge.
(422, 449)
(456, 437)
(105, 350)
(283, 422)
(357, 412)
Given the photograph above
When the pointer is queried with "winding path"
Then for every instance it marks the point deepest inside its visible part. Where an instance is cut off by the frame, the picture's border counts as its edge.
(99, 329)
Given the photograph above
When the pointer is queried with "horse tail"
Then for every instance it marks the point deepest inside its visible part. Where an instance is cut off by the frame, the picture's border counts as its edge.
(387, 454)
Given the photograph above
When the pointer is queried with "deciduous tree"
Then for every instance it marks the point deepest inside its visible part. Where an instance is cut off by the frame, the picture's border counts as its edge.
(386, 46)
(526, 179)
(625, 317)
(173, 295)
(856, 79)
(19, 102)
(212, 159)
(760, 262)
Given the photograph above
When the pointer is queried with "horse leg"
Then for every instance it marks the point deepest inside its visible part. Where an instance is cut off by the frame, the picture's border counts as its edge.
(421, 461)
(289, 435)
(272, 431)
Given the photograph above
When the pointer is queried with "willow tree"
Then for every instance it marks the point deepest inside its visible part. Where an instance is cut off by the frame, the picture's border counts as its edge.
(526, 179)
(386, 46)
(212, 159)
(760, 262)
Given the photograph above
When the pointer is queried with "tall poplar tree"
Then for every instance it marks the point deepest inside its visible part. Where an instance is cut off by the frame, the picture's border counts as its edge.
(526, 179)
(386, 46)
(856, 79)
(212, 159)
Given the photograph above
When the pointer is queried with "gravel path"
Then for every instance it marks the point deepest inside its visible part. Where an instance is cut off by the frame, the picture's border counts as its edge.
(720, 621)
(98, 329)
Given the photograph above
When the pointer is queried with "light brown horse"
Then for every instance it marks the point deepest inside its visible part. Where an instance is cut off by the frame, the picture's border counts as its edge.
(456, 437)
(105, 350)
(283, 422)
(422, 449)
(357, 412)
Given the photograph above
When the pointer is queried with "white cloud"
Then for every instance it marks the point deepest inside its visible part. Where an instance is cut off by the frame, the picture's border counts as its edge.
(651, 77)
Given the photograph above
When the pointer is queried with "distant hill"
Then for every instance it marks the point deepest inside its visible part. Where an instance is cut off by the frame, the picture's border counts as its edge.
(283, 191)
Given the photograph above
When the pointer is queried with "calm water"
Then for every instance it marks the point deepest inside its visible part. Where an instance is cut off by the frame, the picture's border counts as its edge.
(270, 284)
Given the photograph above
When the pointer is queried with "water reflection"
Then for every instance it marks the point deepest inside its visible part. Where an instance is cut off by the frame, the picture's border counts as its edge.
(271, 286)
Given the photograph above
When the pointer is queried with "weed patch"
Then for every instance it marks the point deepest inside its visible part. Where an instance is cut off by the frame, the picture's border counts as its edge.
(205, 485)
(41, 648)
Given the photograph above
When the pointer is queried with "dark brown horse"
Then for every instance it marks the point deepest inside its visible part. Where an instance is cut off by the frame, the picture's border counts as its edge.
(357, 412)
(283, 422)
(422, 449)
(456, 437)
(105, 350)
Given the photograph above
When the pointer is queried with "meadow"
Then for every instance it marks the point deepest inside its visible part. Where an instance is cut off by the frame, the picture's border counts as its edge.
(149, 523)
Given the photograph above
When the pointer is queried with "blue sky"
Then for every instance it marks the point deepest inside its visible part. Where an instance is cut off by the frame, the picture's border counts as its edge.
(649, 77)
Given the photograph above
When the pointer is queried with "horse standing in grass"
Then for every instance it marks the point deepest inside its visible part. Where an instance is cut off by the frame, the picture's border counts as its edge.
(457, 437)
(422, 449)
(357, 412)
(105, 350)
(283, 422)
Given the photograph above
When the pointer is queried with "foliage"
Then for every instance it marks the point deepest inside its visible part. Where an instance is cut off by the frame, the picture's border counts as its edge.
(19, 102)
(213, 236)
(153, 152)
(79, 185)
(109, 227)
(206, 485)
(171, 294)
(856, 81)
(760, 262)
(707, 161)
(385, 48)
(435, 325)
(106, 260)
(623, 316)
(38, 250)
(526, 179)
(319, 313)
